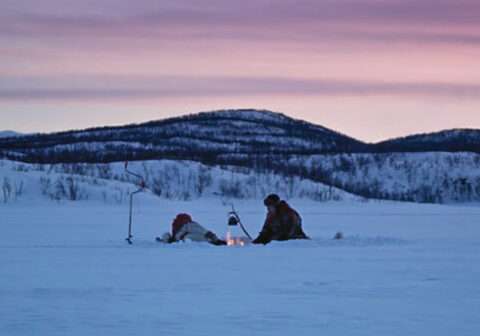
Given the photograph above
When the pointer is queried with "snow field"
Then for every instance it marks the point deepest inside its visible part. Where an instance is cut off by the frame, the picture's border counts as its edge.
(401, 269)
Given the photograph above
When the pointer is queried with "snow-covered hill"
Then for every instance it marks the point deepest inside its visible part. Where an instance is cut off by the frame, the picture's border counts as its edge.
(417, 177)
(175, 180)
(8, 134)
(434, 177)
(200, 136)
(260, 144)
(445, 141)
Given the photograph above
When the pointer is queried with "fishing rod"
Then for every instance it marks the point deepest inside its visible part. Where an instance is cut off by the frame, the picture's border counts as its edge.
(141, 187)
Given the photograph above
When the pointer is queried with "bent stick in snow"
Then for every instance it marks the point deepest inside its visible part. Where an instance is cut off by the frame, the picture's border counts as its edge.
(239, 221)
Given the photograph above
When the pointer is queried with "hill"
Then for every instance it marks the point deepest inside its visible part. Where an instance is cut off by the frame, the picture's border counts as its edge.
(202, 137)
(8, 134)
(440, 167)
(455, 140)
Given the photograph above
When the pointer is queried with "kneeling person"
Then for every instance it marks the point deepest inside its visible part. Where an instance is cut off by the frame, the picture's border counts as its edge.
(282, 222)
(183, 227)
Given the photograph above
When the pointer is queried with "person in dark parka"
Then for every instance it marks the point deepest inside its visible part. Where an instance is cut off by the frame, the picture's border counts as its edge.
(282, 222)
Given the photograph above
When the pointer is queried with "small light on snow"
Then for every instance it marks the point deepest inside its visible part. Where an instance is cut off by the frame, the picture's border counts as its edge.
(234, 241)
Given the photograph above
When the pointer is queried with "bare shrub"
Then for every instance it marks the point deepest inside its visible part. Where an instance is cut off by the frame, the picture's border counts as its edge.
(6, 189)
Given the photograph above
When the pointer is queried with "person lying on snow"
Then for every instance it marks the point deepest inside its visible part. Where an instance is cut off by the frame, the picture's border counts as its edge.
(282, 222)
(183, 227)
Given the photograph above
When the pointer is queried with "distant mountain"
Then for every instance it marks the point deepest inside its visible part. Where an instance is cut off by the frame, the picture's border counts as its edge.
(203, 136)
(455, 140)
(218, 137)
(8, 133)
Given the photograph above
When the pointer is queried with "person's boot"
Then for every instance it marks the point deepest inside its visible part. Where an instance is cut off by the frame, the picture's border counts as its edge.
(213, 239)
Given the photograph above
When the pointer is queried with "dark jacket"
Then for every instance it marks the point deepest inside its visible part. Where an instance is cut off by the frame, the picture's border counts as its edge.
(284, 224)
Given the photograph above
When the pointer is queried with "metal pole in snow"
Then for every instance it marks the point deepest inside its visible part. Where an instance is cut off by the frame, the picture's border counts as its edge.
(140, 189)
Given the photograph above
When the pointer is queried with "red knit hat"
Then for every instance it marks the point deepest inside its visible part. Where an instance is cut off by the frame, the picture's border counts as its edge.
(179, 222)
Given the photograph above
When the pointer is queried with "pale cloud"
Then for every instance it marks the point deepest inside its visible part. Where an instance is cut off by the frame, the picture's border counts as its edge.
(131, 87)
(222, 53)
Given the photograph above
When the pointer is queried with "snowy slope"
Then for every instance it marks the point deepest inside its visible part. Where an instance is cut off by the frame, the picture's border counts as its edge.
(23, 183)
(182, 180)
(420, 177)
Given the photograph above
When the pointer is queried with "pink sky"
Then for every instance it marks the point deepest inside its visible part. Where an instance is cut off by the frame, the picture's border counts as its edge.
(373, 69)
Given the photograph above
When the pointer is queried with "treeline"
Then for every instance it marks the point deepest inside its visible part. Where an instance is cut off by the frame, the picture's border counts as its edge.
(34, 150)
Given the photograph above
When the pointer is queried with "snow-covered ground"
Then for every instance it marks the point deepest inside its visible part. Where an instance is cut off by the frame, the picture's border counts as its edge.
(402, 269)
